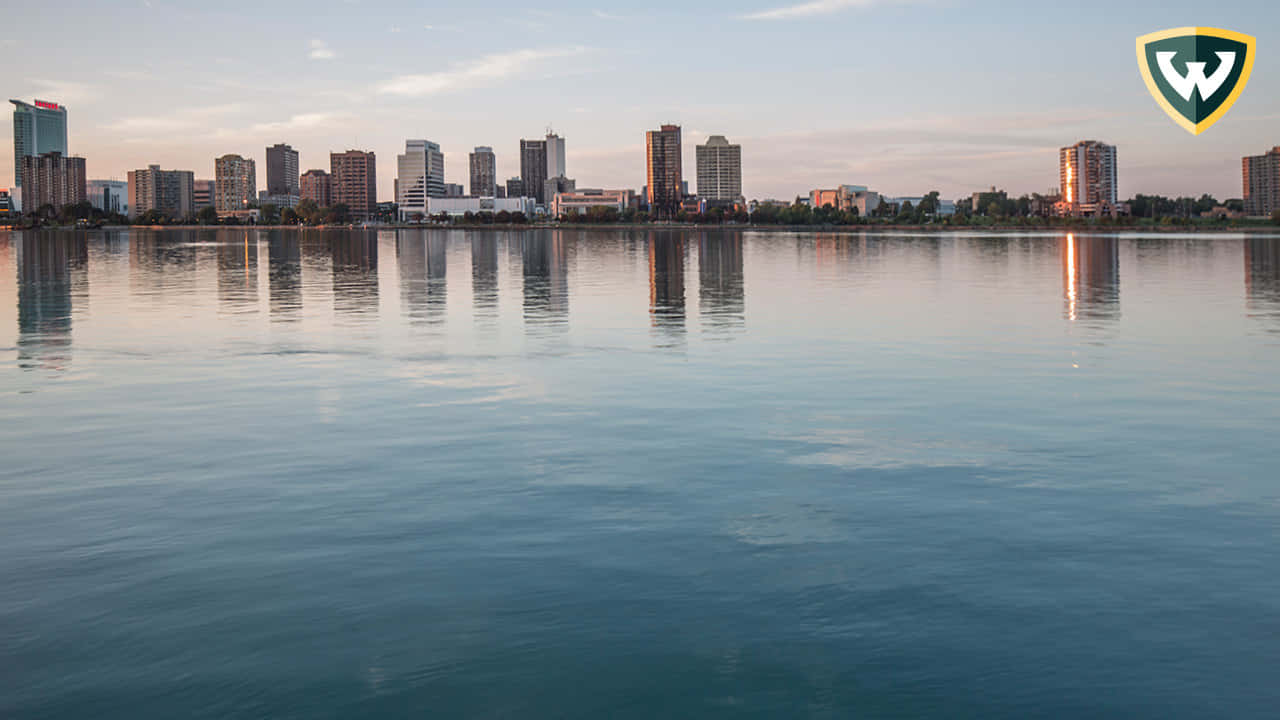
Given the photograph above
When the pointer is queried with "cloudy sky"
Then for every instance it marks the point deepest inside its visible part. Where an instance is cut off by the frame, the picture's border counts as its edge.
(905, 96)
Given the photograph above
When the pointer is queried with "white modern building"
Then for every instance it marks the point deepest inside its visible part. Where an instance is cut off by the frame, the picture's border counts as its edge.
(475, 205)
(719, 170)
(555, 157)
(419, 177)
(109, 195)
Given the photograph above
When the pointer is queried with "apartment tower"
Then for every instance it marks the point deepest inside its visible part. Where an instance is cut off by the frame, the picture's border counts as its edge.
(663, 171)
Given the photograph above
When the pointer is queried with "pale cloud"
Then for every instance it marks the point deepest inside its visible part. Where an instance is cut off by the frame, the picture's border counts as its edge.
(64, 92)
(486, 70)
(321, 51)
(193, 118)
(303, 121)
(816, 7)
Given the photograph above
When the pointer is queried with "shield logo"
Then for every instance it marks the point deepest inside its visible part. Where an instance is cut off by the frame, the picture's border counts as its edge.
(1196, 74)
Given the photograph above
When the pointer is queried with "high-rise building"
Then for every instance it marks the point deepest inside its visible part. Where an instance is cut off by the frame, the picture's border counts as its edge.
(235, 183)
(201, 195)
(664, 170)
(282, 170)
(52, 179)
(484, 172)
(314, 186)
(454, 190)
(1087, 171)
(38, 128)
(533, 168)
(515, 187)
(111, 196)
(555, 157)
(1262, 183)
(419, 175)
(353, 182)
(719, 170)
(169, 192)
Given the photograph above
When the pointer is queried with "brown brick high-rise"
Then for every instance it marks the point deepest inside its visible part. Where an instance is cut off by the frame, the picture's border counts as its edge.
(353, 181)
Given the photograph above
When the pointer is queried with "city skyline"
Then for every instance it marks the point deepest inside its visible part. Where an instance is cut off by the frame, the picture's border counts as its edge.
(903, 123)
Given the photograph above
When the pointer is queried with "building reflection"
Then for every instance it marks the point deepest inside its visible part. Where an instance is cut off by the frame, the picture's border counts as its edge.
(666, 282)
(484, 273)
(52, 277)
(238, 271)
(284, 276)
(546, 278)
(1262, 275)
(354, 263)
(721, 298)
(422, 261)
(1091, 278)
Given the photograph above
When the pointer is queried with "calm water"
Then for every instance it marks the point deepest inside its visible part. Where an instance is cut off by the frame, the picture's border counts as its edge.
(638, 474)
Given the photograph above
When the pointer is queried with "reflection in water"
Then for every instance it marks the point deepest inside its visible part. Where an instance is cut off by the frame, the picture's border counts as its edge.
(423, 285)
(1091, 277)
(546, 278)
(721, 300)
(1262, 275)
(484, 273)
(666, 281)
(355, 272)
(238, 272)
(52, 276)
(284, 276)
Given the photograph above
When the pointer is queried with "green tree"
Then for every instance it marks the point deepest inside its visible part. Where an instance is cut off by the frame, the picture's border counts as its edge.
(268, 214)
(207, 216)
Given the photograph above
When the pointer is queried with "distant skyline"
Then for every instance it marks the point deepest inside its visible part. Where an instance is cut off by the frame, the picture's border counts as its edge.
(902, 96)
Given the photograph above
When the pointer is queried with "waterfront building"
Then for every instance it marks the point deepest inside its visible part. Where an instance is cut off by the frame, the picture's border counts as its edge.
(454, 190)
(6, 203)
(235, 183)
(500, 191)
(353, 182)
(474, 205)
(1087, 171)
(719, 171)
(314, 186)
(38, 128)
(564, 203)
(555, 156)
(52, 179)
(533, 168)
(282, 171)
(515, 187)
(169, 192)
(201, 195)
(1262, 183)
(484, 172)
(419, 175)
(664, 171)
(556, 185)
(110, 196)
(280, 201)
(843, 198)
(982, 199)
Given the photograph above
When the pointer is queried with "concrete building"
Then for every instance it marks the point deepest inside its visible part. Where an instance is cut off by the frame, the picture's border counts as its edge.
(845, 198)
(235, 183)
(201, 195)
(484, 172)
(579, 201)
(6, 204)
(982, 199)
(515, 187)
(314, 186)
(555, 157)
(533, 169)
(354, 182)
(419, 175)
(111, 196)
(1262, 183)
(454, 190)
(38, 128)
(169, 192)
(664, 171)
(556, 185)
(474, 205)
(52, 179)
(280, 201)
(1087, 171)
(719, 171)
(282, 170)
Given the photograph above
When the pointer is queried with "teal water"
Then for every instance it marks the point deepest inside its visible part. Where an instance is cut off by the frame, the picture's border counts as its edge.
(638, 474)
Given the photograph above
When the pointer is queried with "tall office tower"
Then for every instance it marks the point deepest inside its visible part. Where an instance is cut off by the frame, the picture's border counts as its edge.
(169, 192)
(315, 187)
(37, 129)
(52, 179)
(664, 171)
(515, 187)
(201, 195)
(110, 196)
(484, 172)
(533, 168)
(1087, 171)
(353, 182)
(235, 183)
(282, 170)
(719, 170)
(419, 175)
(555, 157)
(1262, 183)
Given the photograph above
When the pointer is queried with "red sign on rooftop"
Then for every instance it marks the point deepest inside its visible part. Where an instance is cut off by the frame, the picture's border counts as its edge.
(48, 105)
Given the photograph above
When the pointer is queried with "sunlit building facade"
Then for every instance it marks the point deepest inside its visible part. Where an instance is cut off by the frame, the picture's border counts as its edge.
(484, 172)
(1087, 173)
(419, 175)
(664, 173)
(353, 182)
(719, 171)
(169, 192)
(314, 186)
(52, 179)
(235, 183)
(1262, 183)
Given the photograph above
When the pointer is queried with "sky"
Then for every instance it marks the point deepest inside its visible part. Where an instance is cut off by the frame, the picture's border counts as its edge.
(903, 96)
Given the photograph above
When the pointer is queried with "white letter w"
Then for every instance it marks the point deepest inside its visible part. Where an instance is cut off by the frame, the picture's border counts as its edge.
(1195, 79)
